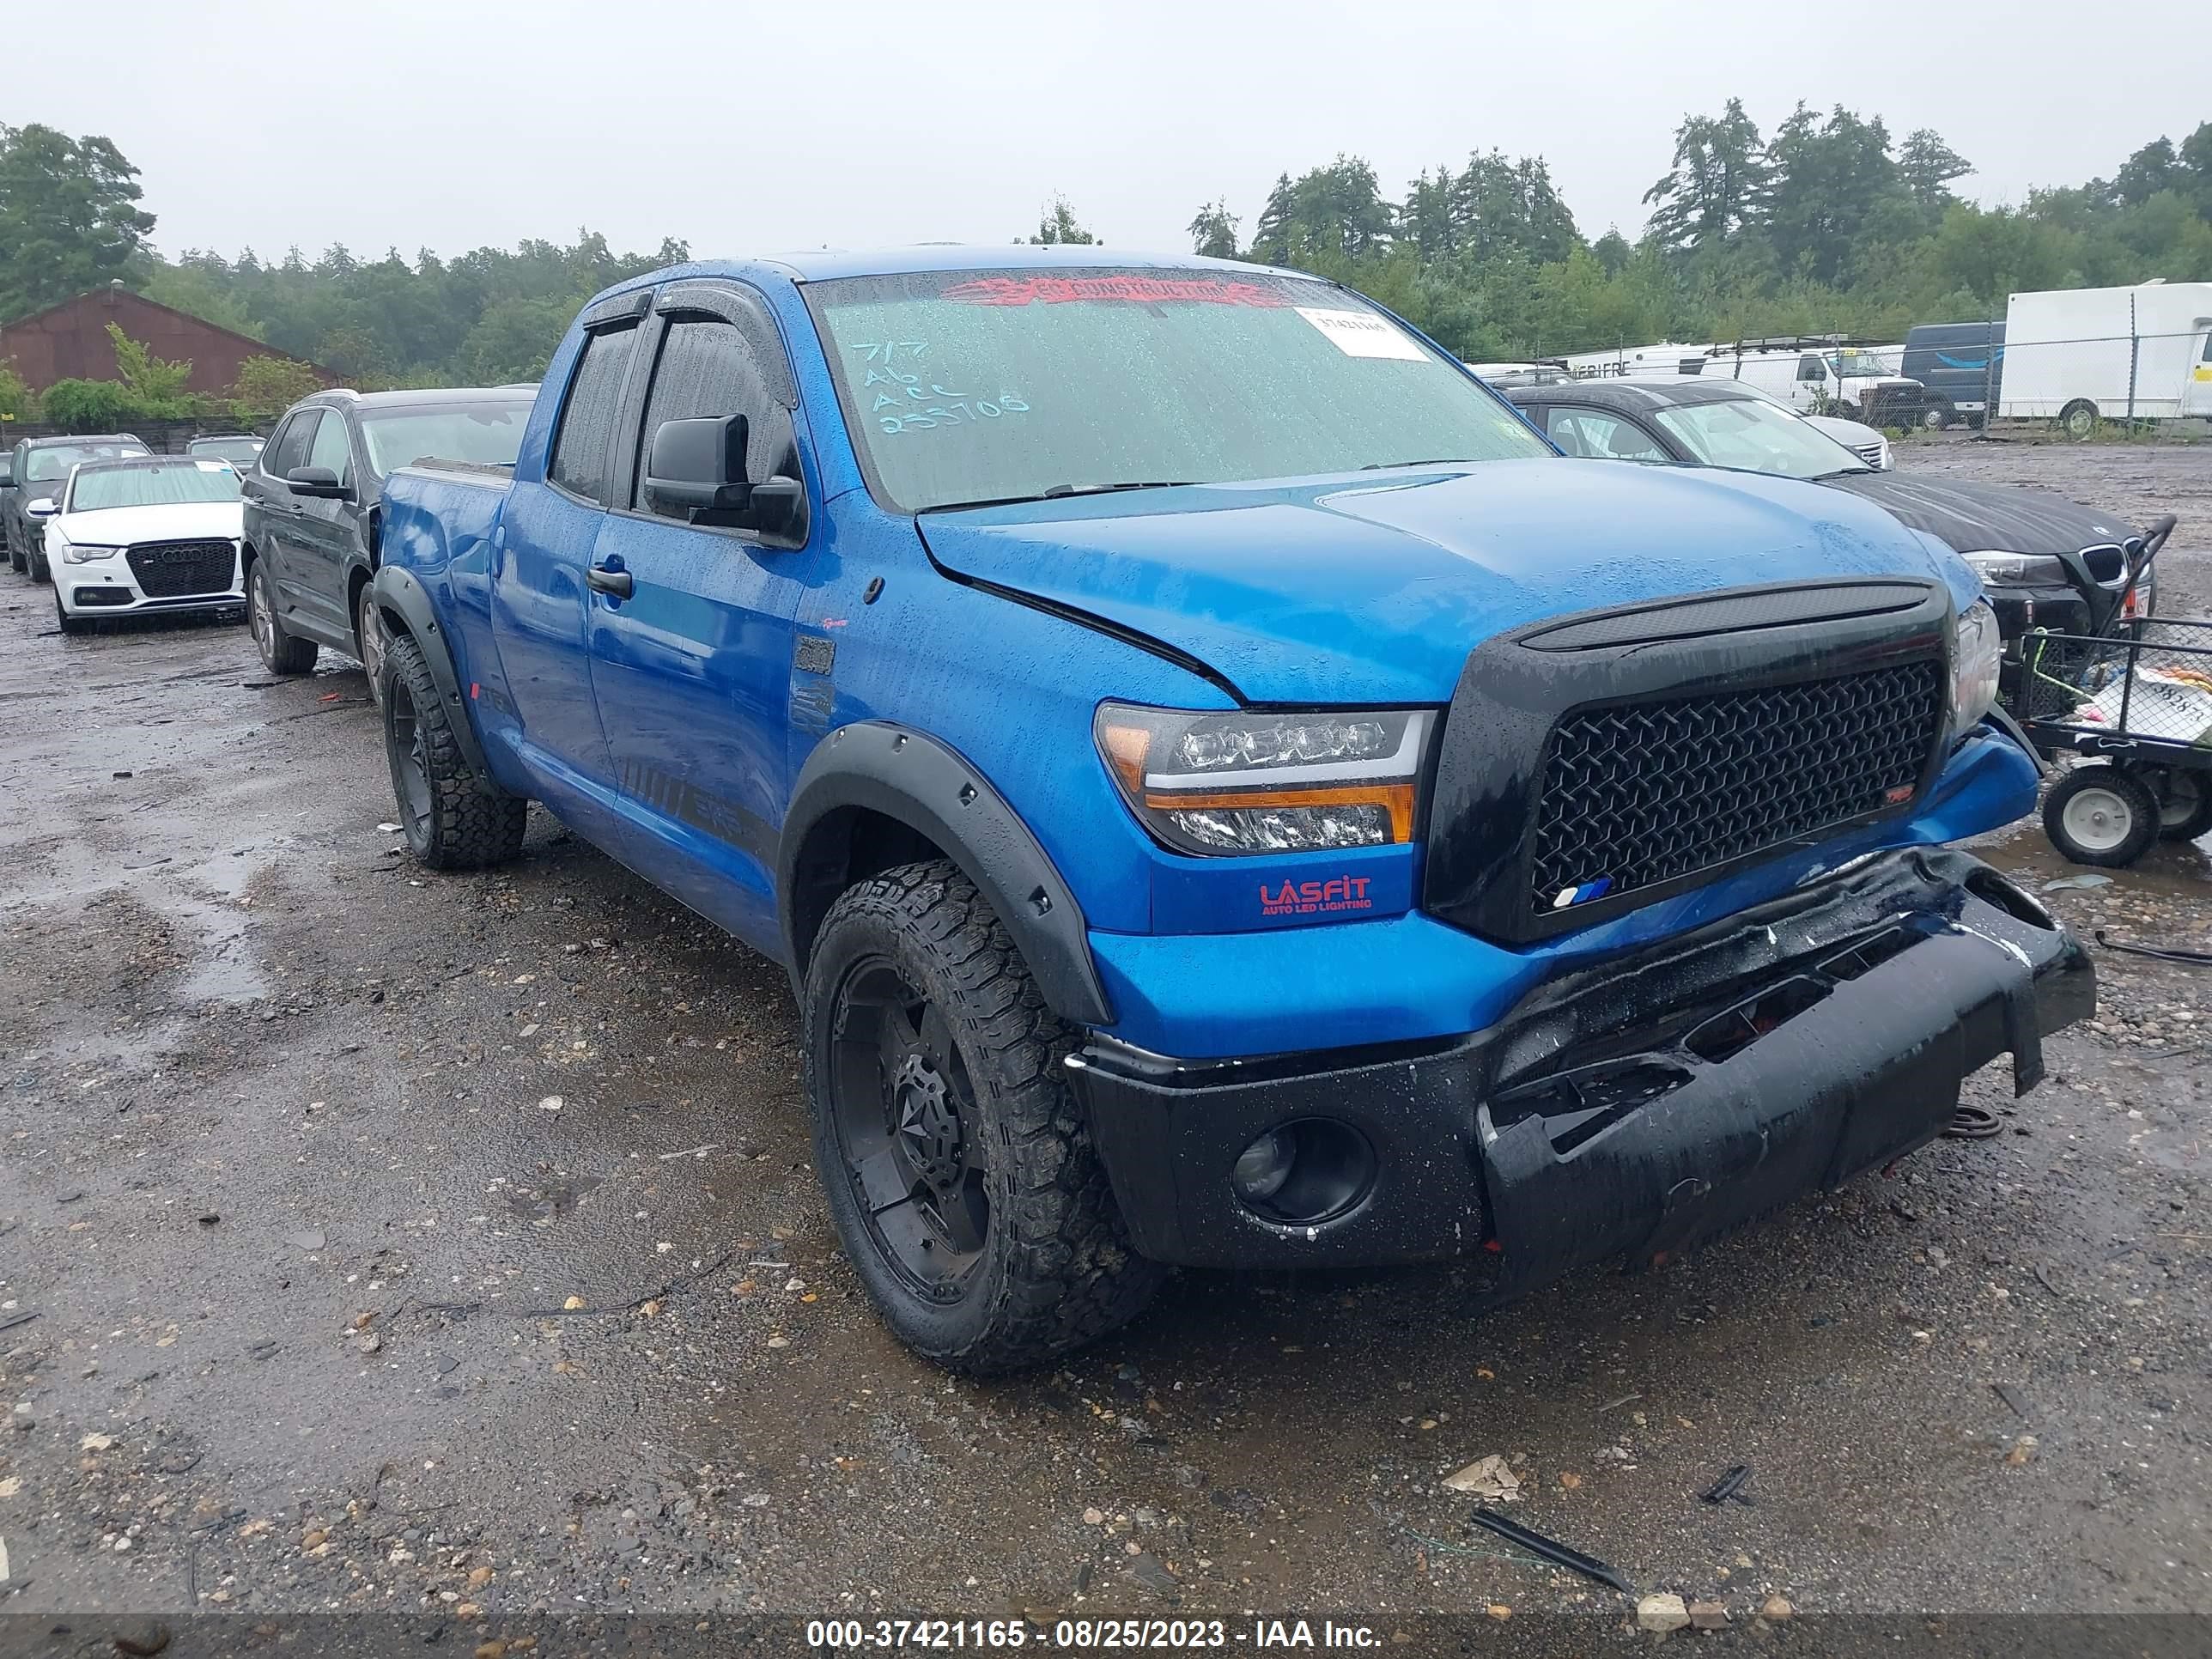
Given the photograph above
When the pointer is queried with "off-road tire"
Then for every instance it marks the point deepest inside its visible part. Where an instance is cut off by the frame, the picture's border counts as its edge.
(68, 624)
(1057, 1269)
(2129, 824)
(462, 821)
(280, 652)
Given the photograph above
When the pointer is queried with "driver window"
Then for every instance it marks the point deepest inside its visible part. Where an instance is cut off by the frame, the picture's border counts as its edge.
(1587, 433)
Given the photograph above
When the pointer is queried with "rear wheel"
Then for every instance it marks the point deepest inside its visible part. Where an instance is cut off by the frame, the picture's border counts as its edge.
(369, 631)
(1937, 415)
(2185, 804)
(2100, 815)
(280, 651)
(2078, 419)
(453, 819)
(957, 1166)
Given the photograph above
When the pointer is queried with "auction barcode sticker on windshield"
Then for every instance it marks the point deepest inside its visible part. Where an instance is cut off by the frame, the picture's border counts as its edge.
(1362, 334)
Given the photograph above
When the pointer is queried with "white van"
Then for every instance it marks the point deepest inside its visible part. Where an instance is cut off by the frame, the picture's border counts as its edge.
(1817, 376)
(2079, 355)
(1638, 362)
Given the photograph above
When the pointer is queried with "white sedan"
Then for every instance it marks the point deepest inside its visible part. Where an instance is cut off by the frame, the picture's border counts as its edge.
(147, 532)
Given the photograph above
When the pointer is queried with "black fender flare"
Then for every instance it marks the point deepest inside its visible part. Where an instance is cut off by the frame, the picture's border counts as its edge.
(399, 592)
(916, 779)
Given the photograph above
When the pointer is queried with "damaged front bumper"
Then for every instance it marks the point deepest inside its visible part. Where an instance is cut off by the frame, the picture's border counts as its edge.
(1626, 1111)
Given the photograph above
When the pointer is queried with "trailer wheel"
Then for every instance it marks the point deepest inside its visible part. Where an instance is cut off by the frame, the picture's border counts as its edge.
(2185, 804)
(2100, 815)
(2078, 419)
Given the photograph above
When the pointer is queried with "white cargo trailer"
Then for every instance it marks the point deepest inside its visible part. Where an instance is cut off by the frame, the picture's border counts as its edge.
(2079, 355)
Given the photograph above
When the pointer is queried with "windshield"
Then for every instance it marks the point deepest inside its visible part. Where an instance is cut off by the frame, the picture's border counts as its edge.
(1757, 437)
(45, 464)
(963, 388)
(225, 449)
(486, 433)
(165, 484)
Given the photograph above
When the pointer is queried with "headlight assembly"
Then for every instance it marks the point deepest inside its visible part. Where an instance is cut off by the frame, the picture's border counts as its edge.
(1975, 649)
(1252, 783)
(2019, 569)
(74, 554)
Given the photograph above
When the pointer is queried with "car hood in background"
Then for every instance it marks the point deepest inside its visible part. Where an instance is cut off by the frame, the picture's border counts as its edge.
(177, 521)
(1974, 517)
(1373, 588)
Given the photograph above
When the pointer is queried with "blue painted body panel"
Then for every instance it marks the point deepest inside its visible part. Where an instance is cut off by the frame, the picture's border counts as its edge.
(1369, 590)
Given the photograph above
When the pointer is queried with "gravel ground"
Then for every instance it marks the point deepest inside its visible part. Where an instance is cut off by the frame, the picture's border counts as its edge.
(447, 1245)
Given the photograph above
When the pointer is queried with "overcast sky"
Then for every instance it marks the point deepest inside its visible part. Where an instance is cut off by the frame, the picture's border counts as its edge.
(743, 127)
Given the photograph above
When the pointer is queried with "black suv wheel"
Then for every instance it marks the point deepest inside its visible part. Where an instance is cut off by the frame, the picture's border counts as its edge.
(959, 1168)
(280, 652)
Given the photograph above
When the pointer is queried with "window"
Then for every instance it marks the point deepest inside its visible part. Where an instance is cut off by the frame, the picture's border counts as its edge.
(51, 463)
(2208, 347)
(706, 368)
(1812, 369)
(587, 421)
(290, 447)
(331, 449)
(1753, 435)
(978, 386)
(1601, 437)
(171, 483)
(485, 435)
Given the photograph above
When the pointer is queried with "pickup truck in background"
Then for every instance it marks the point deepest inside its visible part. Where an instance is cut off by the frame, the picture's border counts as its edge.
(313, 508)
(1226, 789)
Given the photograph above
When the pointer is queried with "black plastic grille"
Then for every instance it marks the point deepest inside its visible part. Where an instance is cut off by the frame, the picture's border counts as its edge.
(173, 570)
(1638, 795)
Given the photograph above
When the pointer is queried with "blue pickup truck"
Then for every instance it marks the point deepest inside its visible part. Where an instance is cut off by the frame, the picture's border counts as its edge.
(1226, 790)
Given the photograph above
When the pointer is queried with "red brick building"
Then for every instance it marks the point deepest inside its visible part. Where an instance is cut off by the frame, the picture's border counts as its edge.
(69, 341)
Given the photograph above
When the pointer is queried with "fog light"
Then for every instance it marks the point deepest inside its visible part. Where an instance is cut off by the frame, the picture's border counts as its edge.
(1305, 1172)
(1263, 1167)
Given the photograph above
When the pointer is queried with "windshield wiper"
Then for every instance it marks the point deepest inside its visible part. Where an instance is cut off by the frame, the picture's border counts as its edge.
(1056, 493)
(1058, 490)
(1441, 461)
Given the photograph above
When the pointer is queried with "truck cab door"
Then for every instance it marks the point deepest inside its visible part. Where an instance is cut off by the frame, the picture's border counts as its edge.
(1810, 390)
(542, 550)
(691, 658)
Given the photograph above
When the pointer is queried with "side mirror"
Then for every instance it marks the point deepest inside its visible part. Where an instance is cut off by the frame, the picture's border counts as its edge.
(317, 481)
(699, 465)
(41, 508)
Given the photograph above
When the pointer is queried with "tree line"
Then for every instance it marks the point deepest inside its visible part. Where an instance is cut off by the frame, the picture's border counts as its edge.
(1826, 224)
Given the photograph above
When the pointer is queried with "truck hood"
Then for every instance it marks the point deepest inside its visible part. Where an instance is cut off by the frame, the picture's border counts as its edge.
(1372, 588)
(173, 521)
(1974, 517)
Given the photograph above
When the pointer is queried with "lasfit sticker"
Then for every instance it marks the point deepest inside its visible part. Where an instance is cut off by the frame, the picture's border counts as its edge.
(1362, 334)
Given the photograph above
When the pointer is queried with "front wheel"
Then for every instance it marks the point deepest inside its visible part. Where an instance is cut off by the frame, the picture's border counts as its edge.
(957, 1166)
(453, 820)
(68, 624)
(2100, 815)
(1937, 416)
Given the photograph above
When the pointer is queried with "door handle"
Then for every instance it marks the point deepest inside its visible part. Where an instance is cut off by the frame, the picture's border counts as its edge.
(610, 579)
